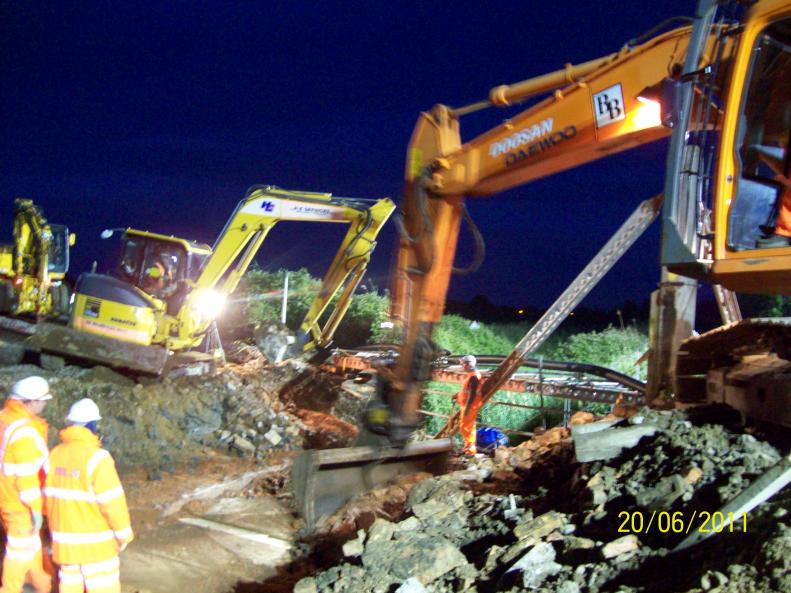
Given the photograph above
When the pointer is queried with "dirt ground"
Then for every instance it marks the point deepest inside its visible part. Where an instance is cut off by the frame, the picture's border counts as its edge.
(207, 526)
(205, 462)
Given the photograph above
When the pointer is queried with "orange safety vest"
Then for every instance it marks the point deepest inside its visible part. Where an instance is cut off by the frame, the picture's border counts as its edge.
(467, 394)
(23, 458)
(783, 222)
(84, 500)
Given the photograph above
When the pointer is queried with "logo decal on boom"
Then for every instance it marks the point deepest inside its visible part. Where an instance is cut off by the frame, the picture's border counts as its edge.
(608, 106)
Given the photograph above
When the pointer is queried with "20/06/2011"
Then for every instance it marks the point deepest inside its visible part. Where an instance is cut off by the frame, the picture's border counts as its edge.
(666, 522)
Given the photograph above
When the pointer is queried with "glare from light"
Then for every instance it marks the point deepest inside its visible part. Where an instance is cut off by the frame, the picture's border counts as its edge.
(210, 304)
(386, 325)
(648, 114)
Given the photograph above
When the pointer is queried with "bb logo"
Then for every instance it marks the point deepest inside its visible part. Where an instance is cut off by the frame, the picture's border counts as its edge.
(608, 106)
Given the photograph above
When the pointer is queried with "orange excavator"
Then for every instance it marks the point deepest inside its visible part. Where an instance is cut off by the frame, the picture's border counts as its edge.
(719, 87)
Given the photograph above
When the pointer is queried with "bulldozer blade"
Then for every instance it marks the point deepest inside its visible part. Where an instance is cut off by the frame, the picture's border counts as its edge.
(323, 481)
(73, 344)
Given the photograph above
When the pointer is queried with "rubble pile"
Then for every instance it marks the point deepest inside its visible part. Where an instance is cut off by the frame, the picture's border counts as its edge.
(534, 518)
(158, 423)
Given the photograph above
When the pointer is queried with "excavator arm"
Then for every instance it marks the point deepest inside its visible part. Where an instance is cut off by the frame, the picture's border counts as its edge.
(31, 239)
(245, 232)
(594, 110)
(345, 273)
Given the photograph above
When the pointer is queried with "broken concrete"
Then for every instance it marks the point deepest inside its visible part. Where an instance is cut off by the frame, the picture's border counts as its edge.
(607, 443)
(540, 520)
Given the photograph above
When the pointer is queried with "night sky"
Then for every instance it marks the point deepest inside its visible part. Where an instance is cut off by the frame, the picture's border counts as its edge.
(159, 116)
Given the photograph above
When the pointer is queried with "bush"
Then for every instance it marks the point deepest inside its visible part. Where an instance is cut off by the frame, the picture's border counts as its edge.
(260, 293)
(617, 349)
(758, 305)
(461, 336)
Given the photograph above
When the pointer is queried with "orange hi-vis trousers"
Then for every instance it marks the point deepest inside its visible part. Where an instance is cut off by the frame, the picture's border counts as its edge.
(98, 577)
(468, 424)
(23, 561)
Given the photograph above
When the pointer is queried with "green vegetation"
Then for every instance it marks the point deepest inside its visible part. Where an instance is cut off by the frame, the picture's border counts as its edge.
(613, 348)
(261, 295)
(757, 305)
(459, 336)
(261, 292)
(617, 349)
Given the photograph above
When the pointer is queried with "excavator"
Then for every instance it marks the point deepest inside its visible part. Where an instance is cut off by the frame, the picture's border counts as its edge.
(32, 270)
(157, 312)
(718, 88)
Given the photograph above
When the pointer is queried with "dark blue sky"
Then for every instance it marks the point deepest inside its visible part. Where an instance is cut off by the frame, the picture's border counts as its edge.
(159, 116)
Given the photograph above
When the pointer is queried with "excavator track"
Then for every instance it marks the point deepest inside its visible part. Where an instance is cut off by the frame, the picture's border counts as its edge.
(13, 337)
(745, 364)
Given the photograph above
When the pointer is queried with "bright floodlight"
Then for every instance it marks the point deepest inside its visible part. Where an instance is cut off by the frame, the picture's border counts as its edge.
(210, 304)
(648, 114)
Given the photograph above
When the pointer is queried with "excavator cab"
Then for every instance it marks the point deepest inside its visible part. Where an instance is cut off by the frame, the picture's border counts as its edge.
(159, 265)
(727, 210)
(153, 276)
(58, 260)
(760, 213)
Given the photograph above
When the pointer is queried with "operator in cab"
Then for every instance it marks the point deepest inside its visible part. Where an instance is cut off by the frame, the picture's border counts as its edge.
(159, 277)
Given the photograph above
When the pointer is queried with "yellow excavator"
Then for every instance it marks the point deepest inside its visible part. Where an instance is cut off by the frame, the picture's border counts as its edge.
(720, 87)
(158, 311)
(32, 270)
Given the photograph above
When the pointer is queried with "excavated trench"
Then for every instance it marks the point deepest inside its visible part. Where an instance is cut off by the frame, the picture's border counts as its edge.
(205, 462)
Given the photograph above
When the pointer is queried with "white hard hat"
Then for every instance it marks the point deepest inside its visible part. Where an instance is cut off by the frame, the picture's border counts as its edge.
(31, 389)
(469, 359)
(83, 411)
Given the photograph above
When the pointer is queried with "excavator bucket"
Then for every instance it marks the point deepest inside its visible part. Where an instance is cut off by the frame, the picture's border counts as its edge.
(323, 481)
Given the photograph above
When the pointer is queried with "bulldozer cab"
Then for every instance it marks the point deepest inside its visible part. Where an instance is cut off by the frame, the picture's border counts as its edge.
(159, 264)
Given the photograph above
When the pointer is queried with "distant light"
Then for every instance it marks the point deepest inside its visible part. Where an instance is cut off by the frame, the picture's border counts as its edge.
(521, 311)
(386, 325)
(474, 325)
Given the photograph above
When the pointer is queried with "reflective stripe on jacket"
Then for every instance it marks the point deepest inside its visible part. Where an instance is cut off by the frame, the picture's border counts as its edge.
(85, 502)
(23, 458)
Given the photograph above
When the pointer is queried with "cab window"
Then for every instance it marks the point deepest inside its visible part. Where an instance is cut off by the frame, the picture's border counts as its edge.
(760, 215)
(58, 259)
